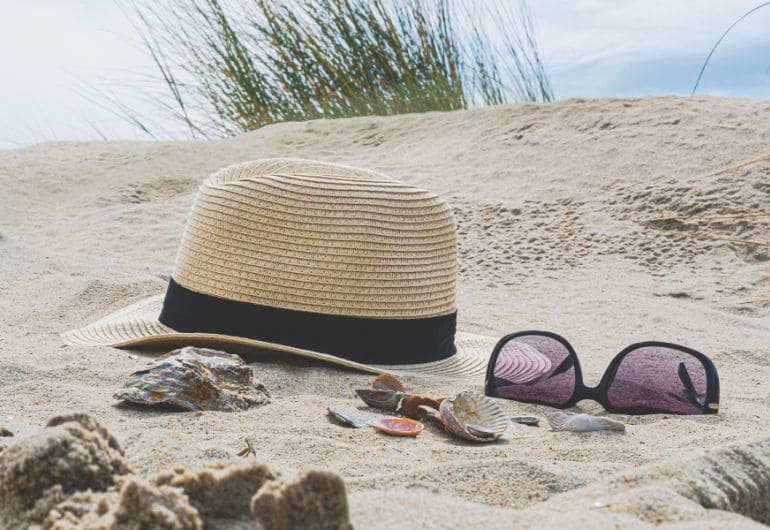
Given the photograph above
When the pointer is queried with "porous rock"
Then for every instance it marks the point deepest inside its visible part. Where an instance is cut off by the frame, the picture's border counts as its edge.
(219, 489)
(73, 475)
(73, 453)
(316, 501)
(136, 505)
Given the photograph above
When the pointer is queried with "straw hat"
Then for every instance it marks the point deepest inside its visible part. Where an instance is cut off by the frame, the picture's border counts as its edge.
(314, 259)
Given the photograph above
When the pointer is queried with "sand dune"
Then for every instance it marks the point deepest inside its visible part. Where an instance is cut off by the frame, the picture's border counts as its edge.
(606, 221)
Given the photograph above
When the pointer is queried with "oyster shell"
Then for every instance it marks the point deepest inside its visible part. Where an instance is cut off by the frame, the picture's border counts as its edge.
(471, 416)
(196, 379)
(570, 421)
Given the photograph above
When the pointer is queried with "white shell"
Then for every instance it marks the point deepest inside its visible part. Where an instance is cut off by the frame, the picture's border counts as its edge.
(473, 417)
(570, 421)
(350, 417)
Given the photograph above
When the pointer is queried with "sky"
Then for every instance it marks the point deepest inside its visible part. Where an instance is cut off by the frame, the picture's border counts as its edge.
(55, 55)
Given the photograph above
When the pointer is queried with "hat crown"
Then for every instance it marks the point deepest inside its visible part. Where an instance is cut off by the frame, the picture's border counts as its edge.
(322, 238)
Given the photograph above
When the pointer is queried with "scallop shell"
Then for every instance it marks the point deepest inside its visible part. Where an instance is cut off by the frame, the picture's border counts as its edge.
(388, 382)
(473, 416)
(570, 421)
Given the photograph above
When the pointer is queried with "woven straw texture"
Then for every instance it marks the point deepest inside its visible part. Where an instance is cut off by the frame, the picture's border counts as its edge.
(321, 238)
(309, 236)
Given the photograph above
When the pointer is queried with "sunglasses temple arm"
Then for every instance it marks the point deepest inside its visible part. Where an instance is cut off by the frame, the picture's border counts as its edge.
(684, 376)
(565, 365)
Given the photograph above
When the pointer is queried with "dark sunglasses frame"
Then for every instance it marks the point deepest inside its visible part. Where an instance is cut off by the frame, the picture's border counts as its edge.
(599, 392)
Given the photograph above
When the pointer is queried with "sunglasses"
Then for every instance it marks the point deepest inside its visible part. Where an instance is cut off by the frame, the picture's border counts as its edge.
(645, 378)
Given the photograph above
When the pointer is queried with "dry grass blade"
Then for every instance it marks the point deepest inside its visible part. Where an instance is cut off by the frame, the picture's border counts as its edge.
(737, 241)
(696, 235)
(741, 165)
(760, 300)
(248, 450)
(723, 171)
(711, 218)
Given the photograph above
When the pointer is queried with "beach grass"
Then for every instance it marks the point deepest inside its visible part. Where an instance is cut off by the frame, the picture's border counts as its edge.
(719, 41)
(232, 66)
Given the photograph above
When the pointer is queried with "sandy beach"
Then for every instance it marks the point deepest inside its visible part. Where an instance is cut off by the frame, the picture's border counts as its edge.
(607, 221)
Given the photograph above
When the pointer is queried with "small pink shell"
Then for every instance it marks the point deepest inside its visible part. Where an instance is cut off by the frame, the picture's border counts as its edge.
(399, 426)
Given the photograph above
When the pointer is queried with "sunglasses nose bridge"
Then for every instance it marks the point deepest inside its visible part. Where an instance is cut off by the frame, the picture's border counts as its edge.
(591, 392)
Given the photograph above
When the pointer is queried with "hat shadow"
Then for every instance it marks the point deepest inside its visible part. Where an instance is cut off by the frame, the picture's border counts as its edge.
(249, 354)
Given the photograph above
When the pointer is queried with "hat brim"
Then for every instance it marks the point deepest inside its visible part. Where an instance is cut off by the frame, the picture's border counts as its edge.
(137, 326)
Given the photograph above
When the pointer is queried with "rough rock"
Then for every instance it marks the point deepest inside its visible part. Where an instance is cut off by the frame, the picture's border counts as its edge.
(316, 501)
(137, 505)
(73, 475)
(219, 489)
(196, 379)
(73, 453)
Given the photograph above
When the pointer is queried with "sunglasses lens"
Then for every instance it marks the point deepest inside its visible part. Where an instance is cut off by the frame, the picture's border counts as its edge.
(534, 368)
(657, 378)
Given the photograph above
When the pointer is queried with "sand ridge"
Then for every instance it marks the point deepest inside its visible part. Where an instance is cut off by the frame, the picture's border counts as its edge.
(601, 220)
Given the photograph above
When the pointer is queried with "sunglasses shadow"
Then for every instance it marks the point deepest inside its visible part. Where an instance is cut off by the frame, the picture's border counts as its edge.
(593, 408)
(251, 356)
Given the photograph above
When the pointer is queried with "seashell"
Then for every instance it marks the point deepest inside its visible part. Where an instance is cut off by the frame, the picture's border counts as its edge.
(393, 401)
(532, 421)
(410, 405)
(399, 426)
(570, 421)
(196, 379)
(479, 431)
(471, 416)
(388, 425)
(350, 417)
(381, 399)
(388, 382)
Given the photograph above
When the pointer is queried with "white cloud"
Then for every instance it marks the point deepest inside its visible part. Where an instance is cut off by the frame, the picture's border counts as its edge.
(50, 49)
(593, 48)
(573, 33)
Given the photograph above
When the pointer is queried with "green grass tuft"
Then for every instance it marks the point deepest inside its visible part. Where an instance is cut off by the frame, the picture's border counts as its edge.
(235, 65)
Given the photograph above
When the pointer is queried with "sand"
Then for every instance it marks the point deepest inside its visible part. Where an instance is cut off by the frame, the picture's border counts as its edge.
(602, 220)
